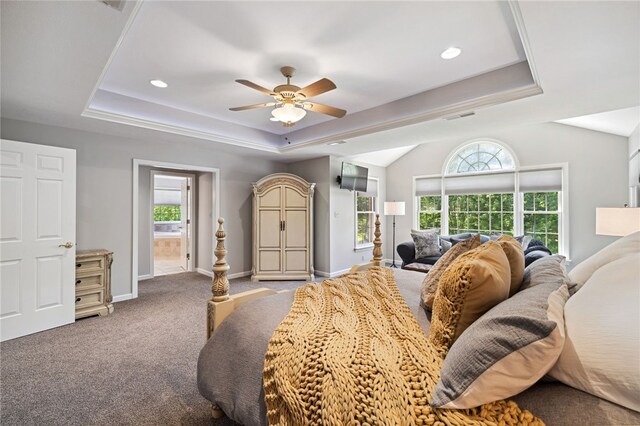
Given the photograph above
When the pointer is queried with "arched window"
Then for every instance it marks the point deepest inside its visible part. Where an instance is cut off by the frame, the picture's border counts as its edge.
(483, 190)
(480, 157)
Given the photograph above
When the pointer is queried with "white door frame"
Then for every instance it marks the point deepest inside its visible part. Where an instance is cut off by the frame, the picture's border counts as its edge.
(194, 226)
(137, 163)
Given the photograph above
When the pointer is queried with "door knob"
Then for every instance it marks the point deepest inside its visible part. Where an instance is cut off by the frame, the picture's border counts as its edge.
(68, 244)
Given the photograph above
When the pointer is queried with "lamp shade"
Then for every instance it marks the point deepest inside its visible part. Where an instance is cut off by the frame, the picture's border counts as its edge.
(617, 221)
(394, 208)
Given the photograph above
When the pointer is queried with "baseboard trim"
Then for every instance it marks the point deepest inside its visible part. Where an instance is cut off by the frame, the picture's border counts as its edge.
(239, 275)
(331, 274)
(122, 297)
(144, 277)
(204, 272)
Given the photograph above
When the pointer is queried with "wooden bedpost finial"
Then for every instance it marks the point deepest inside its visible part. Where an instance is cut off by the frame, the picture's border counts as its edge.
(220, 284)
(377, 244)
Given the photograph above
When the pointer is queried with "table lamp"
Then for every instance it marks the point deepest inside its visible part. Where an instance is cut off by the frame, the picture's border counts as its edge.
(617, 221)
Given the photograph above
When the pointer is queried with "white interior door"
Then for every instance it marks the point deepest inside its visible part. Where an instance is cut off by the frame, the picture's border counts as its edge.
(37, 238)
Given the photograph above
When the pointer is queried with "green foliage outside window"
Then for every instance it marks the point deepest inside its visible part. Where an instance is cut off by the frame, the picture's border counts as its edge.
(365, 210)
(364, 228)
(481, 213)
(166, 213)
(430, 208)
(494, 213)
(541, 217)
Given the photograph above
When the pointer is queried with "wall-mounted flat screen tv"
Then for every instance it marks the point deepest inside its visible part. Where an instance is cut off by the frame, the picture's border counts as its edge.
(353, 178)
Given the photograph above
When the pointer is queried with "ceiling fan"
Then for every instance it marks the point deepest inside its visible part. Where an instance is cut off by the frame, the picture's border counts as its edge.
(290, 101)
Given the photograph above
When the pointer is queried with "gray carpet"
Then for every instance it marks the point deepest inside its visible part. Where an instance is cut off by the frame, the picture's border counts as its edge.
(136, 366)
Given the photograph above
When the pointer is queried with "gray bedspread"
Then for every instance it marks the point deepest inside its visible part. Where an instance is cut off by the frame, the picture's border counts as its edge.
(230, 367)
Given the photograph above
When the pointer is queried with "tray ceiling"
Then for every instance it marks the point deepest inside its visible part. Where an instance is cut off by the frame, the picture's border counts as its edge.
(383, 56)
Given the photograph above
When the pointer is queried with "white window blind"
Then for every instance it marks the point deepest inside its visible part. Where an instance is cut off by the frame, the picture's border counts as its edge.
(167, 197)
(490, 183)
(428, 186)
(543, 180)
(372, 189)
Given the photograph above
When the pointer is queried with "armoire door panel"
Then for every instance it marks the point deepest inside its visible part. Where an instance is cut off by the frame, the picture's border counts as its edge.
(295, 228)
(271, 198)
(269, 233)
(295, 260)
(269, 261)
(292, 198)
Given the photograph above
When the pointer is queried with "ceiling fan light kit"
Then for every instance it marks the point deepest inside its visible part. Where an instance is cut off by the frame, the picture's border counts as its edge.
(291, 103)
(288, 113)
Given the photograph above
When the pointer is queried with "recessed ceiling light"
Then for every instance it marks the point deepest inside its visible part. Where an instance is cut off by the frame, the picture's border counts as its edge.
(336, 143)
(450, 53)
(273, 119)
(159, 83)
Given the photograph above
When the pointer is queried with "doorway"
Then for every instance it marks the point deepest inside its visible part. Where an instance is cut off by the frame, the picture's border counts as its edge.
(206, 212)
(172, 222)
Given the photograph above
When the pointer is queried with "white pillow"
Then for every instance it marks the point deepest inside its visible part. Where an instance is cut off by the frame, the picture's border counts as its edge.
(601, 354)
(626, 245)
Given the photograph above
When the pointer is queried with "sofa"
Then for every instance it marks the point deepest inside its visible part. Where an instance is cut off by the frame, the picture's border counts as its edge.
(533, 249)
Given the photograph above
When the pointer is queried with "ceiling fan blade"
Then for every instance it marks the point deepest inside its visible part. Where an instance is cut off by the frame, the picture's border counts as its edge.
(317, 88)
(242, 108)
(257, 87)
(324, 109)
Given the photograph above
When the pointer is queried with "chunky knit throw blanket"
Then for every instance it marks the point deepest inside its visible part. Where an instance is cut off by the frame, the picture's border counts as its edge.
(350, 352)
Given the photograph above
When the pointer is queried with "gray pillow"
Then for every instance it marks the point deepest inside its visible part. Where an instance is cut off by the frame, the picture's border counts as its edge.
(546, 269)
(445, 246)
(426, 243)
(506, 350)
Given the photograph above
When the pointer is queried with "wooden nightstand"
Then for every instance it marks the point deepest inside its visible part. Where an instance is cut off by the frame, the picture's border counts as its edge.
(93, 283)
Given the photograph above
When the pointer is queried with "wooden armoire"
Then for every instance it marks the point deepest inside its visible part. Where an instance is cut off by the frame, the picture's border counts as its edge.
(282, 228)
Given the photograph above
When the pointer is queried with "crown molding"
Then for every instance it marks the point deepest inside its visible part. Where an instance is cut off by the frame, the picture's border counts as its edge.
(177, 130)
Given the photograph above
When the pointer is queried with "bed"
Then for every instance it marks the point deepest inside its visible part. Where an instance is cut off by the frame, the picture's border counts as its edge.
(239, 328)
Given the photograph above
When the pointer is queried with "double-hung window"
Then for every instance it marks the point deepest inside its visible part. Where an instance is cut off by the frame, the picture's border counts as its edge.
(541, 201)
(366, 206)
(481, 213)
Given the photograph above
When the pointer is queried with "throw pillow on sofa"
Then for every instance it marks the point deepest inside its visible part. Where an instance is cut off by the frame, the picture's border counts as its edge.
(426, 243)
(430, 283)
(474, 283)
(534, 252)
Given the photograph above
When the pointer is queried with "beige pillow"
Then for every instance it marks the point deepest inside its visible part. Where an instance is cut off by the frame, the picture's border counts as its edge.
(474, 283)
(430, 283)
(601, 354)
(614, 251)
(515, 254)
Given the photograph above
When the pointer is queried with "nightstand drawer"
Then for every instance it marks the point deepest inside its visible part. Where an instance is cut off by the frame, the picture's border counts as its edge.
(89, 299)
(89, 264)
(95, 281)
